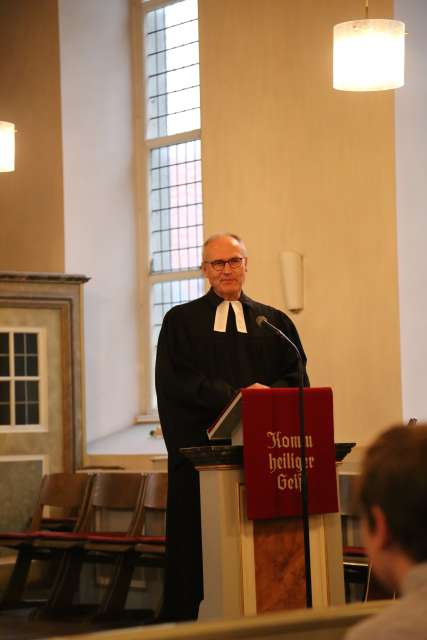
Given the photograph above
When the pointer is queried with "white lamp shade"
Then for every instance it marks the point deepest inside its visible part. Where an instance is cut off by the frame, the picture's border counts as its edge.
(7, 146)
(369, 55)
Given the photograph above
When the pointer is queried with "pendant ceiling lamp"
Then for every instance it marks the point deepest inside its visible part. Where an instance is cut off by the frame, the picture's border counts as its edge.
(7, 146)
(369, 54)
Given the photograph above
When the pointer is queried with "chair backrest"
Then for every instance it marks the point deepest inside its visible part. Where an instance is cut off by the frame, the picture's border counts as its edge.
(154, 501)
(156, 491)
(114, 501)
(67, 494)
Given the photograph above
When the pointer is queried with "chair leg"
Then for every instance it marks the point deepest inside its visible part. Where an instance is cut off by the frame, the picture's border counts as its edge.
(12, 596)
(65, 585)
(115, 597)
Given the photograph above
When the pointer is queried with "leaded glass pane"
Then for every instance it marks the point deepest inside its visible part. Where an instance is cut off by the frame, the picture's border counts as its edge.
(20, 391)
(20, 369)
(4, 414)
(176, 207)
(32, 391)
(4, 392)
(26, 391)
(4, 343)
(167, 294)
(172, 65)
(19, 342)
(26, 413)
(31, 343)
(33, 413)
(26, 359)
(4, 365)
(32, 366)
(20, 414)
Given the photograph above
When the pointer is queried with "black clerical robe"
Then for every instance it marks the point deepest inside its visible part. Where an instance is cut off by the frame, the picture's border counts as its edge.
(198, 371)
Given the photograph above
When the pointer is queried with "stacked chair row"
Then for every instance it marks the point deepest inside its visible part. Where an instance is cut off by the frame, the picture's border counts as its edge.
(101, 518)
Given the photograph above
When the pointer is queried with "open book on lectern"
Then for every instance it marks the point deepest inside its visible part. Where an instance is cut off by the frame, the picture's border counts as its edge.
(229, 423)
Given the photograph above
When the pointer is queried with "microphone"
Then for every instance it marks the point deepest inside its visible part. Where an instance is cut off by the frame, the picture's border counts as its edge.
(263, 322)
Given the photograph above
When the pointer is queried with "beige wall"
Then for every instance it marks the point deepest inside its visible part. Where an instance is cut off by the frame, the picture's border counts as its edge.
(99, 212)
(31, 200)
(291, 164)
(288, 163)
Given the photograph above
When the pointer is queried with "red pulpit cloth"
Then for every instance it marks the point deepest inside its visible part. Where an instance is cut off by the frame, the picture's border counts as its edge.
(272, 454)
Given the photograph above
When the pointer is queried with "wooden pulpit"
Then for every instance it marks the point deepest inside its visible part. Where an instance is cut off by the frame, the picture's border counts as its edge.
(252, 529)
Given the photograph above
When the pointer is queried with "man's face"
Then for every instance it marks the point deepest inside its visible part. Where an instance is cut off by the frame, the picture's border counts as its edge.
(228, 282)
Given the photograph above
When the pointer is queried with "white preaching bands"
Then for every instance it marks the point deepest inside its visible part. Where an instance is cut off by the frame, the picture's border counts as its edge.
(222, 313)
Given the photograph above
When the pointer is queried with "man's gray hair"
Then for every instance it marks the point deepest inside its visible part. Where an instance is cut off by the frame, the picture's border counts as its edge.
(215, 236)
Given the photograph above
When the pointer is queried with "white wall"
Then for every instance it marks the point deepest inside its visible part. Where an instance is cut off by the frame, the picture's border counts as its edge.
(411, 181)
(98, 199)
(99, 208)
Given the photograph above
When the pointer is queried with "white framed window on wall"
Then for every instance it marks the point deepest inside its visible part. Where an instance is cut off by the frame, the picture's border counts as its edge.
(169, 172)
(23, 379)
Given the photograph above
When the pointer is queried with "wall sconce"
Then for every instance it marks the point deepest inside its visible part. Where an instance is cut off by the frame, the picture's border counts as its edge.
(292, 278)
(369, 54)
(7, 146)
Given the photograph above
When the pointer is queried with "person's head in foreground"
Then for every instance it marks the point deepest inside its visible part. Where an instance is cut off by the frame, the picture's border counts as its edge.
(392, 500)
(393, 503)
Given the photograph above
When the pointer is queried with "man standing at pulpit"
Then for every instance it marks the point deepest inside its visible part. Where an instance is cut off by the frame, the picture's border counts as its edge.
(208, 350)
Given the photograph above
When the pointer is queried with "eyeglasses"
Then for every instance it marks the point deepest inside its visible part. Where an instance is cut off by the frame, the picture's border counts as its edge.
(219, 265)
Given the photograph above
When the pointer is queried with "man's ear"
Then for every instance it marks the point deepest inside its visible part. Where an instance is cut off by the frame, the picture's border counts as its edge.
(381, 529)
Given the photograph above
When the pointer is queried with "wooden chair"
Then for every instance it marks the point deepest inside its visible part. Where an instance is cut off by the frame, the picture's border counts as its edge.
(67, 494)
(112, 510)
(144, 550)
(142, 545)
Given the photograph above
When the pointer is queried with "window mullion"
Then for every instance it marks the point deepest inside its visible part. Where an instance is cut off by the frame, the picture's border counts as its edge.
(174, 275)
(12, 379)
(186, 136)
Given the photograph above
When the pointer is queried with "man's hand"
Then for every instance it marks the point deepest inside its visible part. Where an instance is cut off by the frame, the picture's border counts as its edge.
(258, 385)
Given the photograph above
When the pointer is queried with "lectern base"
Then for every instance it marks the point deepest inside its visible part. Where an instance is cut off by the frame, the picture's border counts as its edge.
(254, 567)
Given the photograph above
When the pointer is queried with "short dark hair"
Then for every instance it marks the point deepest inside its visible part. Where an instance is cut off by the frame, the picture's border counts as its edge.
(394, 478)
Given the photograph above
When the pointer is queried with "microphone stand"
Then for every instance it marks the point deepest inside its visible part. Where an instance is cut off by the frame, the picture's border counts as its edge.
(304, 480)
(304, 486)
